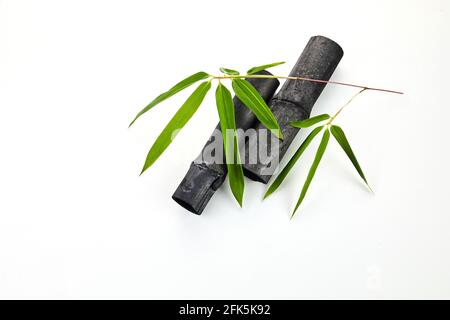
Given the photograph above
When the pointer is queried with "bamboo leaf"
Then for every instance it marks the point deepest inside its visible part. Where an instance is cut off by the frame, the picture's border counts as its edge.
(225, 108)
(310, 122)
(280, 178)
(175, 89)
(178, 121)
(263, 67)
(229, 71)
(253, 100)
(339, 135)
(312, 170)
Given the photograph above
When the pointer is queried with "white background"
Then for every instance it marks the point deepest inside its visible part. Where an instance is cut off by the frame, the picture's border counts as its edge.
(76, 221)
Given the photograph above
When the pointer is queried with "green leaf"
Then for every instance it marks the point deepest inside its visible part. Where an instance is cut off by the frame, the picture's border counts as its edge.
(339, 135)
(175, 89)
(310, 122)
(280, 178)
(263, 67)
(180, 118)
(253, 100)
(229, 71)
(312, 170)
(225, 108)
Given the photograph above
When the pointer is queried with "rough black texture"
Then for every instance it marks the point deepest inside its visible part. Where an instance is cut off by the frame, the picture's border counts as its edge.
(204, 176)
(294, 102)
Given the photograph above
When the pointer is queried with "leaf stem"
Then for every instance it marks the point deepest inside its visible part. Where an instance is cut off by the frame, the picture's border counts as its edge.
(346, 104)
(305, 79)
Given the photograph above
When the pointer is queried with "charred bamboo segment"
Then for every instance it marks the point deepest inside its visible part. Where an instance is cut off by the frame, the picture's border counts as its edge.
(293, 102)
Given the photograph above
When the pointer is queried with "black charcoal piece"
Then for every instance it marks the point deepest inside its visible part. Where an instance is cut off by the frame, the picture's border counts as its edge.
(205, 176)
(293, 102)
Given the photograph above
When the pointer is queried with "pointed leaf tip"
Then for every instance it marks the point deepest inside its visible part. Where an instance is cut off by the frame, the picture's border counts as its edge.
(263, 67)
(283, 174)
(181, 117)
(312, 171)
(229, 71)
(310, 122)
(340, 137)
(175, 89)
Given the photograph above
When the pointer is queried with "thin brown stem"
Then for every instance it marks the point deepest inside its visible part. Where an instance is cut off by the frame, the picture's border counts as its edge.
(307, 79)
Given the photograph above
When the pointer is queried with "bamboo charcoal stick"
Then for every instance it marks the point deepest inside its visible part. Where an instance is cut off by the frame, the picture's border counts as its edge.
(294, 102)
(205, 176)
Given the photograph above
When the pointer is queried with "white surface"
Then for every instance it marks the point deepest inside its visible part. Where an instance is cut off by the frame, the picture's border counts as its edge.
(76, 221)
